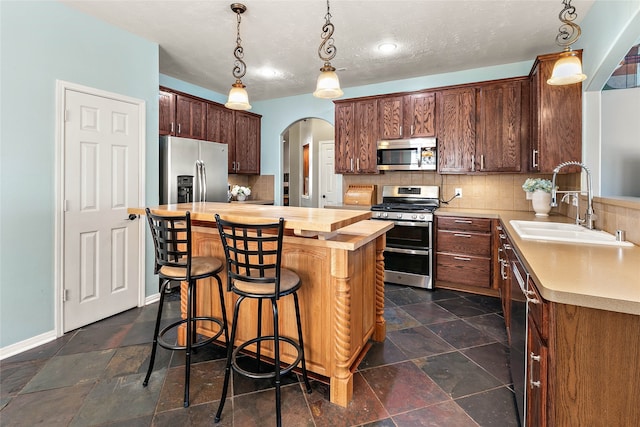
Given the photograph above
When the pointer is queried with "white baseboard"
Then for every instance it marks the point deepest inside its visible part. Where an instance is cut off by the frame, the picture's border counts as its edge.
(151, 299)
(28, 344)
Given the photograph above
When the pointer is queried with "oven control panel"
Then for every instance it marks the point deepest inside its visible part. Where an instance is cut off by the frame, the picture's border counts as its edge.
(403, 216)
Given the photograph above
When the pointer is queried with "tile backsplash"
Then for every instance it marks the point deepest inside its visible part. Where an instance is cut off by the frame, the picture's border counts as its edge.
(262, 186)
(504, 192)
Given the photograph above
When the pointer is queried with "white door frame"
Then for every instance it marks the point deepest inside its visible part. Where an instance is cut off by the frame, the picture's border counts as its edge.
(61, 87)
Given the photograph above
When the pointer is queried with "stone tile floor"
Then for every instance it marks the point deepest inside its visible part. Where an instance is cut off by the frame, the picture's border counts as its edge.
(444, 363)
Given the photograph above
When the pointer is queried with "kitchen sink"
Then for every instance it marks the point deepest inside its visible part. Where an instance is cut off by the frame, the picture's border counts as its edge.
(563, 232)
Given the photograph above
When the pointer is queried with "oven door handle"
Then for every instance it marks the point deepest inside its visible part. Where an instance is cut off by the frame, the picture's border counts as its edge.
(407, 251)
(413, 224)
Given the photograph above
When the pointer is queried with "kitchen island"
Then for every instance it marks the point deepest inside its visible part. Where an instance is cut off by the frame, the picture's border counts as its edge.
(338, 255)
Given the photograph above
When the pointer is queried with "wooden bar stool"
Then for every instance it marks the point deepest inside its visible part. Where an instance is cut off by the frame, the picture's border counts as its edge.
(174, 262)
(253, 255)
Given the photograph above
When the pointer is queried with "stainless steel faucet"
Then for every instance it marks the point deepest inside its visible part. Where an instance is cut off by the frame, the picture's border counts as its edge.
(589, 216)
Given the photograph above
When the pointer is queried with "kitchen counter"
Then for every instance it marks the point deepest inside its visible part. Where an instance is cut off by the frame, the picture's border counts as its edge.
(593, 276)
(254, 202)
(338, 255)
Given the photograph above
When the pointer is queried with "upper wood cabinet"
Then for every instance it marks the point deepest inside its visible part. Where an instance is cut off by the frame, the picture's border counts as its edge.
(221, 127)
(421, 117)
(556, 119)
(502, 126)
(167, 112)
(356, 130)
(366, 136)
(247, 143)
(190, 117)
(345, 140)
(456, 129)
(407, 116)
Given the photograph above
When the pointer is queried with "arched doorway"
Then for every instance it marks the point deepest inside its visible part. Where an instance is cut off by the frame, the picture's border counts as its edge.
(301, 161)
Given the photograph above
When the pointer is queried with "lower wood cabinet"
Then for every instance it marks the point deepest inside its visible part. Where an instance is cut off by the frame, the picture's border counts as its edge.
(464, 253)
(582, 366)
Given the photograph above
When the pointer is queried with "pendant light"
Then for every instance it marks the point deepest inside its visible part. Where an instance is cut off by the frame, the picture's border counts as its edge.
(328, 86)
(238, 97)
(568, 68)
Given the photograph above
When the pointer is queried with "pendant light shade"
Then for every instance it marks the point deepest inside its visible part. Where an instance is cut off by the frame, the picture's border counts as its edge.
(568, 68)
(238, 96)
(328, 85)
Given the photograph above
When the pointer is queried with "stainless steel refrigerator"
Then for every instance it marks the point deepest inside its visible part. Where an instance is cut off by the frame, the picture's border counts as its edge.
(192, 170)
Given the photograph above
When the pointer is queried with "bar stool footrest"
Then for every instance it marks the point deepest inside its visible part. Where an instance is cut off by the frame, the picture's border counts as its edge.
(165, 344)
(263, 375)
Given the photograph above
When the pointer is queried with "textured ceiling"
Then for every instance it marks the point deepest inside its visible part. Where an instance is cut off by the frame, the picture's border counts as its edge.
(197, 38)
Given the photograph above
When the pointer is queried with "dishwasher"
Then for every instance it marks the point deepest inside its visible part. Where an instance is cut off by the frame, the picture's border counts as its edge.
(519, 315)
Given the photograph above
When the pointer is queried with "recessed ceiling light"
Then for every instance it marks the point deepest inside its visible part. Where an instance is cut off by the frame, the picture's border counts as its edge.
(268, 72)
(387, 47)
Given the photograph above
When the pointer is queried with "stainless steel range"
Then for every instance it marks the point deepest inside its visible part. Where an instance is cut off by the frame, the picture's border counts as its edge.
(408, 255)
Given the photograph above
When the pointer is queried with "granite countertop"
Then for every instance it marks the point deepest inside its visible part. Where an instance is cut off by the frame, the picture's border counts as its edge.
(595, 276)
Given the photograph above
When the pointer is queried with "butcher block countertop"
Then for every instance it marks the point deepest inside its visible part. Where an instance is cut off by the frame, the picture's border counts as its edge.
(295, 218)
(343, 229)
(594, 276)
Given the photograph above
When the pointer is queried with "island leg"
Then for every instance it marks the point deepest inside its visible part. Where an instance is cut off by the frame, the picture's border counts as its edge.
(341, 387)
(381, 326)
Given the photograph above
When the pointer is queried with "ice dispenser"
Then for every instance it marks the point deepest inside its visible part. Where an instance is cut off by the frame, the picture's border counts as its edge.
(185, 188)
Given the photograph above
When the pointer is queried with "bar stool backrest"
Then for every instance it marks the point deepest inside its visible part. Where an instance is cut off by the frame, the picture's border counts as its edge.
(254, 254)
(172, 241)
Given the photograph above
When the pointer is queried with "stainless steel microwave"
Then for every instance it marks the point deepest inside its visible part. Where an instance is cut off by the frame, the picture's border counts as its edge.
(407, 154)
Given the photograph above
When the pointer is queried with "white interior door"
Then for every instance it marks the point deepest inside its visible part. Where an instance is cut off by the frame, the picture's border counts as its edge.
(101, 255)
(330, 182)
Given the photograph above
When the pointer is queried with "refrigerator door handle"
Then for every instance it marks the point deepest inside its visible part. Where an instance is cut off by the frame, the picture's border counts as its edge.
(203, 182)
(199, 179)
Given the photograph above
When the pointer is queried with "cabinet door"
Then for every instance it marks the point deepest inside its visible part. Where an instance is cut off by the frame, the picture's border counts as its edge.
(345, 137)
(536, 378)
(366, 136)
(498, 147)
(456, 130)
(247, 143)
(421, 115)
(190, 117)
(221, 128)
(391, 117)
(167, 112)
(556, 119)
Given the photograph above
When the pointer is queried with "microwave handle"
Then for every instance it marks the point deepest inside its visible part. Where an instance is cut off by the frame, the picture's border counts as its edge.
(419, 157)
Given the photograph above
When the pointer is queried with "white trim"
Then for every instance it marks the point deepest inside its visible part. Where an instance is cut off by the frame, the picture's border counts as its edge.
(61, 87)
(28, 344)
(152, 298)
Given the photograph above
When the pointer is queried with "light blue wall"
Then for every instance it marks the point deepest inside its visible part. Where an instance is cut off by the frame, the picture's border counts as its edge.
(43, 41)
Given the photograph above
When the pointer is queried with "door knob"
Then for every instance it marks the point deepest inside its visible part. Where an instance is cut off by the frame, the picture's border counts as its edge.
(132, 217)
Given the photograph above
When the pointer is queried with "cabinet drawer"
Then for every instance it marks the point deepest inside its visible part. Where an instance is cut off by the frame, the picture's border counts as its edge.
(481, 225)
(464, 243)
(539, 311)
(468, 270)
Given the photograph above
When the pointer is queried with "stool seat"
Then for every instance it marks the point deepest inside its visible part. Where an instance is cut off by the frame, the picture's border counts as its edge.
(201, 266)
(289, 282)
